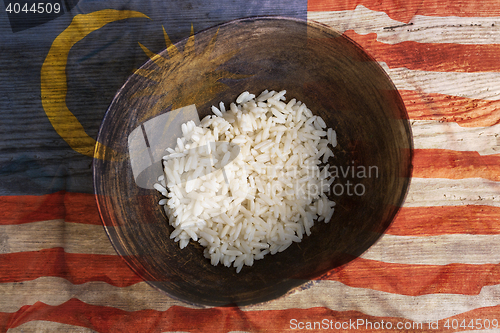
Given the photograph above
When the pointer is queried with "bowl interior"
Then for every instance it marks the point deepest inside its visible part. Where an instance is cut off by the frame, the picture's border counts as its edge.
(324, 69)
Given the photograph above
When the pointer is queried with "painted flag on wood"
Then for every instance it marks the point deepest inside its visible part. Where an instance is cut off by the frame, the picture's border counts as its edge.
(435, 270)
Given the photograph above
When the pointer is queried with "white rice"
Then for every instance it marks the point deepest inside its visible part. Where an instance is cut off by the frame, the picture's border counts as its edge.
(263, 200)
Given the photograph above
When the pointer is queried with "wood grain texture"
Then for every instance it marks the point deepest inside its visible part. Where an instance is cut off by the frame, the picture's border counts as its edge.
(77, 268)
(73, 237)
(401, 278)
(178, 319)
(437, 260)
(436, 134)
(439, 220)
(406, 11)
(49, 326)
(55, 291)
(451, 164)
(476, 85)
(68, 206)
(415, 280)
(438, 57)
(434, 192)
(366, 301)
(143, 300)
(436, 250)
(422, 29)
(466, 112)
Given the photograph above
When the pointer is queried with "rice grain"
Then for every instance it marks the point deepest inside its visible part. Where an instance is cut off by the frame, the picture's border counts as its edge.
(264, 199)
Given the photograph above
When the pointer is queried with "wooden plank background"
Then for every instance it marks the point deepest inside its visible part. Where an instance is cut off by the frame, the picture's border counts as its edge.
(437, 265)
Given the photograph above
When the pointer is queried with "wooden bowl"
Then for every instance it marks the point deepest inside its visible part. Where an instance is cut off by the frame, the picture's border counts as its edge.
(316, 65)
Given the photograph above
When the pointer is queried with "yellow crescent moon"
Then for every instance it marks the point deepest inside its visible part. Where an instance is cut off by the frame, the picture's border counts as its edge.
(54, 86)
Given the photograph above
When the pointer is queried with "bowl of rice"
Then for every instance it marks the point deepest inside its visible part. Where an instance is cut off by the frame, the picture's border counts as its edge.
(249, 159)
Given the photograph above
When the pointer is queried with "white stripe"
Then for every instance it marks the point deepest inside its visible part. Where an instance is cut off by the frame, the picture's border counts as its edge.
(424, 308)
(73, 237)
(422, 29)
(427, 192)
(436, 250)
(433, 134)
(478, 85)
(55, 291)
(331, 294)
(42, 326)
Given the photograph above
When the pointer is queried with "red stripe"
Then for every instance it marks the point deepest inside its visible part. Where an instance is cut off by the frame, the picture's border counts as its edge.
(466, 112)
(442, 163)
(415, 280)
(76, 268)
(72, 207)
(440, 220)
(441, 57)
(403, 11)
(106, 319)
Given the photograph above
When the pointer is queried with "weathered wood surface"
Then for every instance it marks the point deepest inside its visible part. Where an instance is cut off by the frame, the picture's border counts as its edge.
(439, 260)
